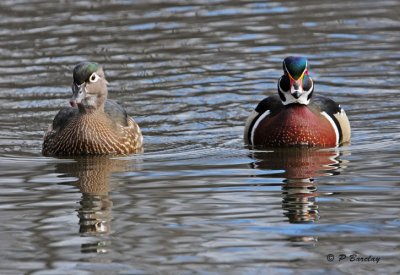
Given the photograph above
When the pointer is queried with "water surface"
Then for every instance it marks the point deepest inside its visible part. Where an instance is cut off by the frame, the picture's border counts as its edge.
(197, 201)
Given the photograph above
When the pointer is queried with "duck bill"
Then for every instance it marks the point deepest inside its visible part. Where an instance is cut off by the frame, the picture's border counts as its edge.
(296, 88)
(78, 94)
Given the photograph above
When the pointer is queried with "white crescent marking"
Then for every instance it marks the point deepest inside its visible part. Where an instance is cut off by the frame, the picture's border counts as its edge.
(333, 125)
(256, 125)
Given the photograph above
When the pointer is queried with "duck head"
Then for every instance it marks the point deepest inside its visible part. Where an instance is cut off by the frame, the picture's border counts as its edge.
(89, 89)
(295, 85)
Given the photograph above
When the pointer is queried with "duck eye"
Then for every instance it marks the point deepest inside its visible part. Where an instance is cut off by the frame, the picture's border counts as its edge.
(284, 83)
(94, 77)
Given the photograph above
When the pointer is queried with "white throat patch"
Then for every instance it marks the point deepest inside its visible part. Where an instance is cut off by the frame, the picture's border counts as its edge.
(303, 99)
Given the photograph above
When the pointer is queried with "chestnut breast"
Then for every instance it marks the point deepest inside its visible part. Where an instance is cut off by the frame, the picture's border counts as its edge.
(295, 124)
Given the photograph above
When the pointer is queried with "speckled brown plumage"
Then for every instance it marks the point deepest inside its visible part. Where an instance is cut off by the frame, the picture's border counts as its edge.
(92, 125)
(93, 134)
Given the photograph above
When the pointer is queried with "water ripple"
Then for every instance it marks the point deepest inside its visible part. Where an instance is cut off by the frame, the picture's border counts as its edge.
(197, 200)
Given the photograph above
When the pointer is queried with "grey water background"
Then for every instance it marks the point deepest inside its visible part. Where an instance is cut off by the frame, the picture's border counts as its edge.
(197, 201)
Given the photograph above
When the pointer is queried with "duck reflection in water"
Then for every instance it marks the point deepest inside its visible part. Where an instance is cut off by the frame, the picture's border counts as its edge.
(93, 180)
(300, 165)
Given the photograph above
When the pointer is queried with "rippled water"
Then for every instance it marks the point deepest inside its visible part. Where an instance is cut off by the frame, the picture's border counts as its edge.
(197, 200)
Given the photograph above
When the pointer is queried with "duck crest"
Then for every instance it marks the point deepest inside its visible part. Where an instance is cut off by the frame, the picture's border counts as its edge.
(295, 66)
(83, 70)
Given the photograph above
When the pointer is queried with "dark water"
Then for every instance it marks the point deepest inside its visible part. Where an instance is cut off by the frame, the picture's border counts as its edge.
(197, 201)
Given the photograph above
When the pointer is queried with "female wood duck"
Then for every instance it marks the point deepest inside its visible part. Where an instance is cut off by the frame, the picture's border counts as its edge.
(93, 125)
(294, 117)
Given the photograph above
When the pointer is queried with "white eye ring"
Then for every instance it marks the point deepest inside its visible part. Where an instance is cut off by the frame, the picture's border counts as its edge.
(94, 77)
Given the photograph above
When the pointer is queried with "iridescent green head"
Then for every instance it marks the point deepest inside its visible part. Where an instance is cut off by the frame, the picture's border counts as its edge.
(295, 85)
(295, 66)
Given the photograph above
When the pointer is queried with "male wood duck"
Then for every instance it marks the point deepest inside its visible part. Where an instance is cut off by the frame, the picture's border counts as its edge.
(294, 117)
(93, 125)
